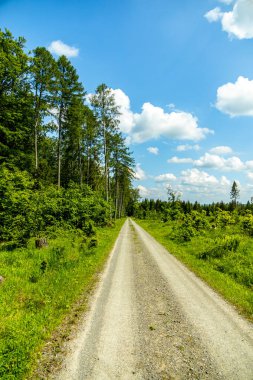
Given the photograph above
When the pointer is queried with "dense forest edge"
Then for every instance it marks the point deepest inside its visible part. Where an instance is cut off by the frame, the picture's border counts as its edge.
(215, 241)
(65, 185)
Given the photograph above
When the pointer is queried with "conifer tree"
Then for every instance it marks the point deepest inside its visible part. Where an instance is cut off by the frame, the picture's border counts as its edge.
(42, 72)
(68, 88)
(15, 102)
(107, 114)
(234, 193)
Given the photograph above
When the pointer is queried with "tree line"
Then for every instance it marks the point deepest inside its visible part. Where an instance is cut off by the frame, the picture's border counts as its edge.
(51, 132)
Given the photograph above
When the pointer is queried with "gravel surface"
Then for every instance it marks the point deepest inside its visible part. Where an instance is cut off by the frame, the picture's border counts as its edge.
(151, 318)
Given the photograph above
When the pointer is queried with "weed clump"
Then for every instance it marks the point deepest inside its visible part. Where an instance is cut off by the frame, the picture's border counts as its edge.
(221, 248)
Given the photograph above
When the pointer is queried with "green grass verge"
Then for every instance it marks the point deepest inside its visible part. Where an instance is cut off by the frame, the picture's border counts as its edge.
(39, 288)
(227, 275)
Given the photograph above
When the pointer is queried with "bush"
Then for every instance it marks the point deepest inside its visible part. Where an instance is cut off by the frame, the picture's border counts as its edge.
(247, 223)
(221, 248)
(27, 212)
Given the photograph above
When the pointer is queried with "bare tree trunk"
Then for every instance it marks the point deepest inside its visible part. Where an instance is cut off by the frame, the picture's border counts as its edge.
(88, 165)
(59, 150)
(80, 163)
(36, 143)
(106, 166)
(121, 203)
(116, 198)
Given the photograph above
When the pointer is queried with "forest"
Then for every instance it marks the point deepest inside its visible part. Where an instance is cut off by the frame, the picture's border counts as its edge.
(64, 161)
(65, 182)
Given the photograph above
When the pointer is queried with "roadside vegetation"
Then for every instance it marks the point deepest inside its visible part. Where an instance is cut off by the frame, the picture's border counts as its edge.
(215, 241)
(39, 290)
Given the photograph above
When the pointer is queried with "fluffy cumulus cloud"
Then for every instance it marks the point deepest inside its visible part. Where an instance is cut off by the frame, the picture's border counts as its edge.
(198, 178)
(183, 148)
(217, 162)
(165, 177)
(60, 48)
(212, 161)
(235, 99)
(139, 173)
(153, 150)
(221, 150)
(153, 122)
(249, 165)
(177, 160)
(214, 15)
(237, 22)
(127, 117)
(144, 191)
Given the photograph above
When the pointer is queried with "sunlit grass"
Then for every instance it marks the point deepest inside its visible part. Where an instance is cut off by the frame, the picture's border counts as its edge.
(39, 288)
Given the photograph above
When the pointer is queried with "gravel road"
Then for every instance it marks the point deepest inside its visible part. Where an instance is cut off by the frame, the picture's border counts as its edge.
(151, 318)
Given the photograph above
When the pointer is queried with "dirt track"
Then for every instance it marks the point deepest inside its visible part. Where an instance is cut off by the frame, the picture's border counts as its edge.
(151, 318)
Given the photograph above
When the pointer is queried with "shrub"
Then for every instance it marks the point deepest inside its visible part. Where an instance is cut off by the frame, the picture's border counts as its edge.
(247, 223)
(27, 212)
(221, 248)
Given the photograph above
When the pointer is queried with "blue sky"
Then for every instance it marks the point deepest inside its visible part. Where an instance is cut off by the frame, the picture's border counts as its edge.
(182, 73)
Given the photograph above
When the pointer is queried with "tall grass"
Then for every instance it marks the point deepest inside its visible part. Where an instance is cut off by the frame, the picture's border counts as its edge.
(39, 288)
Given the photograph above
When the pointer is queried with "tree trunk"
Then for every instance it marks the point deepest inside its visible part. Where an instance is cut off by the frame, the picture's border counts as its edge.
(106, 165)
(59, 150)
(36, 143)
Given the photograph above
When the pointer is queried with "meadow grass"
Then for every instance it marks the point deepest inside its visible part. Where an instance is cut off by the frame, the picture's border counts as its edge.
(39, 288)
(230, 274)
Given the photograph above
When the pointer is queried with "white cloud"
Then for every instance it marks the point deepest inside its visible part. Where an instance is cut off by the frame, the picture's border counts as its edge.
(202, 181)
(235, 99)
(212, 161)
(143, 191)
(165, 177)
(224, 181)
(127, 117)
(177, 160)
(214, 15)
(139, 173)
(215, 161)
(221, 150)
(153, 122)
(227, 2)
(249, 165)
(250, 175)
(237, 22)
(197, 178)
(153, 150)
(183, 148)
(59, 48)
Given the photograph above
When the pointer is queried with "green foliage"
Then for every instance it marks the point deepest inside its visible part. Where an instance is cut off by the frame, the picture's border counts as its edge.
(247, 223)
(47, 129)
(27, 212)
(235, 192)
(188, 225)
(221, 247)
